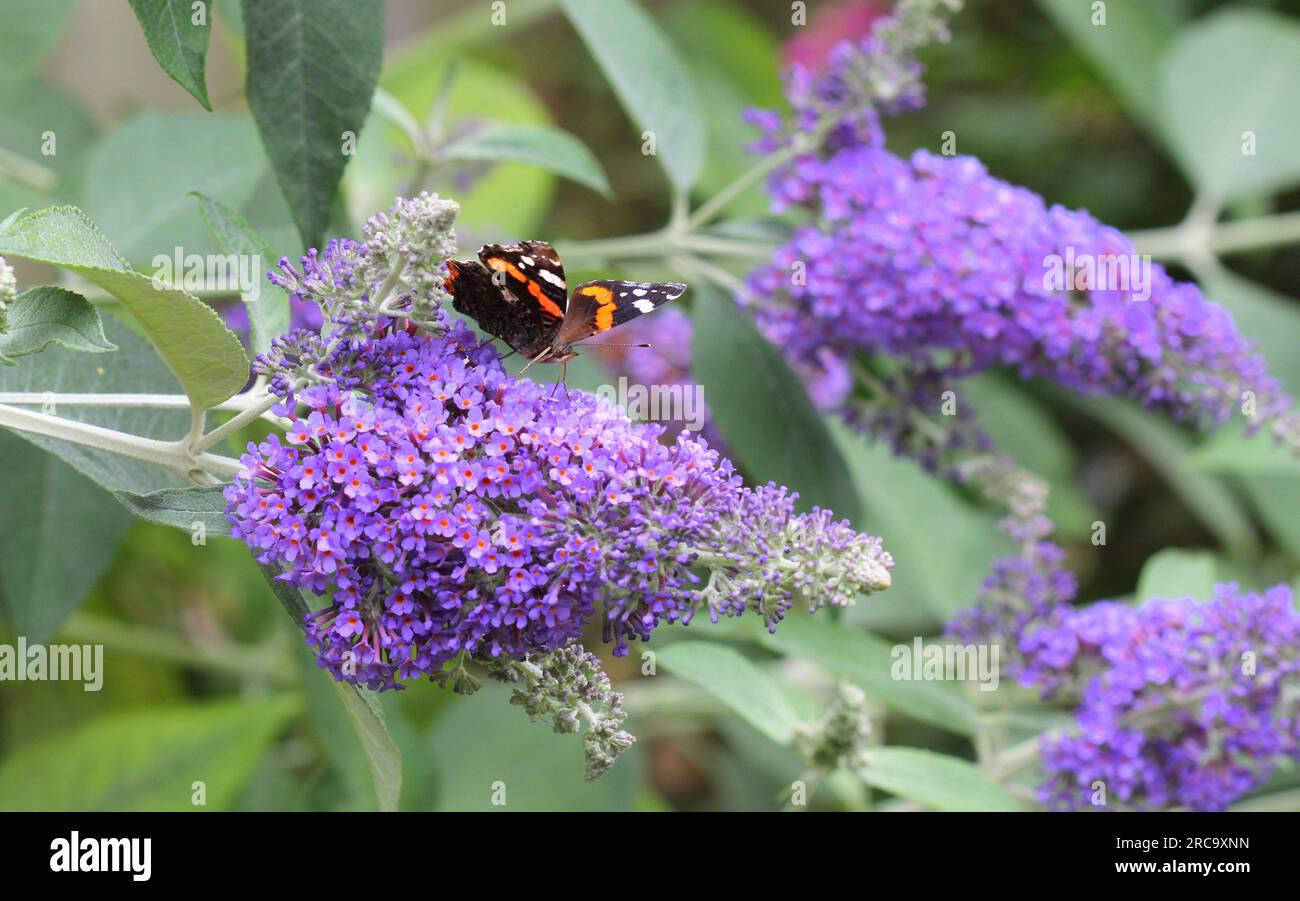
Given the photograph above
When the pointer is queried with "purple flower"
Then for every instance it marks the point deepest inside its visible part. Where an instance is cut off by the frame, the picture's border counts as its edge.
(477, 514)
(1190, 704)
(936, 263)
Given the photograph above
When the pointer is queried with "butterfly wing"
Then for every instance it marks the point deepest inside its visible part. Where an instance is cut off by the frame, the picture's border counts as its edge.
(600, 305)
(497, 310)
(533, 272)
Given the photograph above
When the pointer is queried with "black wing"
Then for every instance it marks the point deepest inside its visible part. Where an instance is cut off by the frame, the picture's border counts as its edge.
(532, 270)
(600, 305)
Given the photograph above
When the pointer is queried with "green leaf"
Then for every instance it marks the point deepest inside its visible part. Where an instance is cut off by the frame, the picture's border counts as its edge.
(41, 316)
(485, 748)
(1031, 436)
(1176, 573)
(384, 758)
(57, 537)
(1167, 448)
(1126, 50)
(1264, 316)
(1231, 450)
(511, 198)
(1277, 498)
(935, 780)
(549, 148)
(267, 304)
(181, 508)
(39, 118)
(201, 352)
(942, 547)
(312, 68)
(649, 78)
(867, 661)
(29, 29)
(290, 597)
(147, 760)
(139, 177)
(178, 42)
(134, 368)
(734, 62)
(735, 681)
(761, 407)
(1208, 107)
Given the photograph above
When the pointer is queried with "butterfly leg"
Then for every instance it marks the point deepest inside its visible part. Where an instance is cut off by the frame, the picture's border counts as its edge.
(562, 380)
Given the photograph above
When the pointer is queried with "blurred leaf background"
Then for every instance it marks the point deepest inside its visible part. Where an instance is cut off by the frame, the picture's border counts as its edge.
(206, 679)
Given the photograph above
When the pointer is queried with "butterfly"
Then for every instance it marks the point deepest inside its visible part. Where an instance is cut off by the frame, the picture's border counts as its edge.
(517, 292)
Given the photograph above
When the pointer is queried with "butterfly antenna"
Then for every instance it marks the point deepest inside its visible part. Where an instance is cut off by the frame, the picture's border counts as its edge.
(605, 344)
(536, 359)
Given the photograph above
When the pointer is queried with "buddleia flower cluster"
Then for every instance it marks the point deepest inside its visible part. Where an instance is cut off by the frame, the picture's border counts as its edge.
(1185, 704)
(447, 512)
(914, 273)
(840, 738)
(934, 263)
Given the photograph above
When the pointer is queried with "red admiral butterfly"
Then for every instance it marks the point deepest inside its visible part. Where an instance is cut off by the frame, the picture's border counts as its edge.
(518, 294)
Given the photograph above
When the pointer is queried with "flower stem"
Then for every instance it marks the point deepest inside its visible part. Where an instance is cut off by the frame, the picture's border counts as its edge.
(234, 424)
(237, 403)
(718, 203)
(1221, 238)
(174, 456)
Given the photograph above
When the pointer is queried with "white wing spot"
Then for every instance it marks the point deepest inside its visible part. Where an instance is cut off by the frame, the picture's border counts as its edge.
(639, 292)
(645, 306)
(527, 261)
(547, 275)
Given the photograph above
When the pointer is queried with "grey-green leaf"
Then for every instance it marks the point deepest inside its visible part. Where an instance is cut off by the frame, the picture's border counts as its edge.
(178, 32)
(382, 755)
(1230, 450)
(57, 537)
(206, 358)
(138, 179)
(1235, 136)
(312, 68)
(910, 509)
(147, 759)
(1176, 573)
(548, 148)
(735, 681)
(867, 661)
(1125, 47)
(29, 29)
(41, 316)
(181, 508)
(135, 368)
(1167, 447)
(481, 741)
(267, 304)
(762, 409)
(650, 80)
(935, 780)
